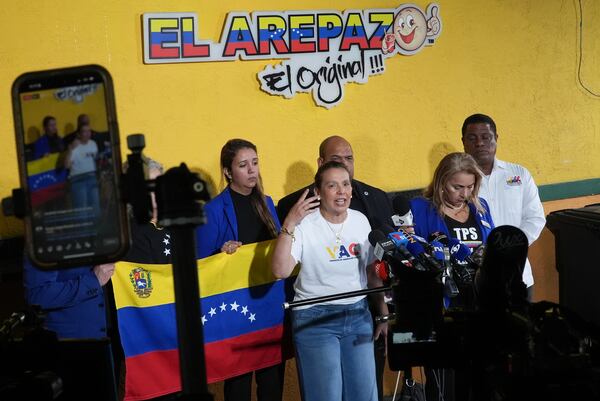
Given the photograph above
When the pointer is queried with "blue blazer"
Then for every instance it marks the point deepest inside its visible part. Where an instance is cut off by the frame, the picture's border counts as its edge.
(427, 219)
(221, 224)
(72, 299)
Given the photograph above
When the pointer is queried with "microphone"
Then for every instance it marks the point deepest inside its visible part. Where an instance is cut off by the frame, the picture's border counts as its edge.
(458, 251)
(460, 254)
(383, 271)
(400, 239)
(385, 251)
(442, 254)
(438, 251)
(384, 247)
(418, 251)
(403, 216)
(476, 257)
(438, 236)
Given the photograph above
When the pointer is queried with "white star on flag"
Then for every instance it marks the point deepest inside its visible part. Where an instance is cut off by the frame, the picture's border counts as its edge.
(234, 306)
(204, 320)
(252, 317)
(166, 241)
(167, 252)
(223, 307)
(244, 310)
(213, 311)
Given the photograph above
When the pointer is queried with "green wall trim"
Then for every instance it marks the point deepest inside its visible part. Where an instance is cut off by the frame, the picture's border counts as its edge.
(566, 190)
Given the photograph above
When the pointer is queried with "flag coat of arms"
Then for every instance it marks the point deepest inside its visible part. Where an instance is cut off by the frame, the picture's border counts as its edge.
(242, 318)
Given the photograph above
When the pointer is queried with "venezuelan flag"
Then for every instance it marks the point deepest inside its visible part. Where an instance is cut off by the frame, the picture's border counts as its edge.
(242, 318)
(45, 180)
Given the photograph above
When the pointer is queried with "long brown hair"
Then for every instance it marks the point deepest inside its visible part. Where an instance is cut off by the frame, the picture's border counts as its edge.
(451, 164)
(257, 196)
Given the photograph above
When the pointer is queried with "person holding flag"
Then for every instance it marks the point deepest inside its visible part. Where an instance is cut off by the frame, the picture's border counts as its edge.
(241, 214)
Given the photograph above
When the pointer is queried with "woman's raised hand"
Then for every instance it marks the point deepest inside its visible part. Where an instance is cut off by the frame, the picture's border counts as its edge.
(303, 207)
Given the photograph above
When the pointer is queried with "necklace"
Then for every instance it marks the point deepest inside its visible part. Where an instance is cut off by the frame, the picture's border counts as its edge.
(338, 235)
(455, 209)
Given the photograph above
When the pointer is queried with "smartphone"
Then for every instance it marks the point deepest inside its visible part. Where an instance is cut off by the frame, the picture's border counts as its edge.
(70, 167)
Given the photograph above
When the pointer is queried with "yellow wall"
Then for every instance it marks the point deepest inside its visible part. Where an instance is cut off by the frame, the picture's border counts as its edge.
(65, 112)
(514, 59)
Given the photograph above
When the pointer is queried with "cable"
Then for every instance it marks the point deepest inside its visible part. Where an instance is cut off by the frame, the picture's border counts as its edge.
(581, 53)
(396, 388)
(423, 376)
(437, 382)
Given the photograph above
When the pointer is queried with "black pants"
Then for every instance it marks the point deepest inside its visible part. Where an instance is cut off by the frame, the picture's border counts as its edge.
(269, 385)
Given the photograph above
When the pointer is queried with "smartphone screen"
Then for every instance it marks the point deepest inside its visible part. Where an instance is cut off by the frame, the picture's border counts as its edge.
(70, 166)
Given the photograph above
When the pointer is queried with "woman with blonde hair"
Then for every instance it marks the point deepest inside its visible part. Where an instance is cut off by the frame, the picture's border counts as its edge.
(451, 205)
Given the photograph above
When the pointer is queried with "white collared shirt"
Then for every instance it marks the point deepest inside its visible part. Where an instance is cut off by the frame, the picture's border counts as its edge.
(514, 200)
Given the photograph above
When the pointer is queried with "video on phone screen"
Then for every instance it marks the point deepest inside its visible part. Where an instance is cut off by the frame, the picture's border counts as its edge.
(69, 168)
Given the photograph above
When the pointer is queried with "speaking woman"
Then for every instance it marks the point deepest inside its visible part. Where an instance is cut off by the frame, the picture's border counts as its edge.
(450, 205)
(333, 340)
(241, 214)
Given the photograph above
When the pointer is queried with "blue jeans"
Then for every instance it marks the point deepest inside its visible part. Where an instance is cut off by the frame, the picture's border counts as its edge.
(334, 352)
(84, 189)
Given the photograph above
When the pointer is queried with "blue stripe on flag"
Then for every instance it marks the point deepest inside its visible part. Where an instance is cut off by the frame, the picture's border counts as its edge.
(225, 316)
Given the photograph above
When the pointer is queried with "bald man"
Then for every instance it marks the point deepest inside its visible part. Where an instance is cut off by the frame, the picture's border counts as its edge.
(370, 201)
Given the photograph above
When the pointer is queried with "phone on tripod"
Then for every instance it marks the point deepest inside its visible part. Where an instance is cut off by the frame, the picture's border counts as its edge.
(70, 166)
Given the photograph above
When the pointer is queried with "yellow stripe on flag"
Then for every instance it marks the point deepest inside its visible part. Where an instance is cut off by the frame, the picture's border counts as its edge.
(44, 164)
(249, 266)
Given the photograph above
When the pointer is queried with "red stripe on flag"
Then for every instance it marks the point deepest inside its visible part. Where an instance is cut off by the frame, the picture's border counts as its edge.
(44, 195)
(157, 373)
(151, 375)
(242, 354)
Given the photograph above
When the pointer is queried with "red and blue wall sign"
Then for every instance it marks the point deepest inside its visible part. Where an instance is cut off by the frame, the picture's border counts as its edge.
(321, 50)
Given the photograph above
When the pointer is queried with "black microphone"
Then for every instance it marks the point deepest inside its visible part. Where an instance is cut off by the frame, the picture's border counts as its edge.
(441, 253)
(403, 216)
(476, 257)
(384, 247)
(438, 236)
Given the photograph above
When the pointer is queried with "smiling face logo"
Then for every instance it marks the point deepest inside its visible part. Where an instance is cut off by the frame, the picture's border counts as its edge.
(411, 30)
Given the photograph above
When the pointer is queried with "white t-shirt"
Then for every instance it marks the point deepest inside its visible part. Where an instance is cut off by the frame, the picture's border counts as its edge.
(83, 158)
(328, 267)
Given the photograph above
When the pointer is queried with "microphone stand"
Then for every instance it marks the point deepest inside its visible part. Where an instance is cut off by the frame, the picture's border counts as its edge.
(333, 297)
(177, 194)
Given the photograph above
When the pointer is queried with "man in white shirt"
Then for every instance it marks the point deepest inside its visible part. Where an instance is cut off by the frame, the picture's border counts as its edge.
(508, 188)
